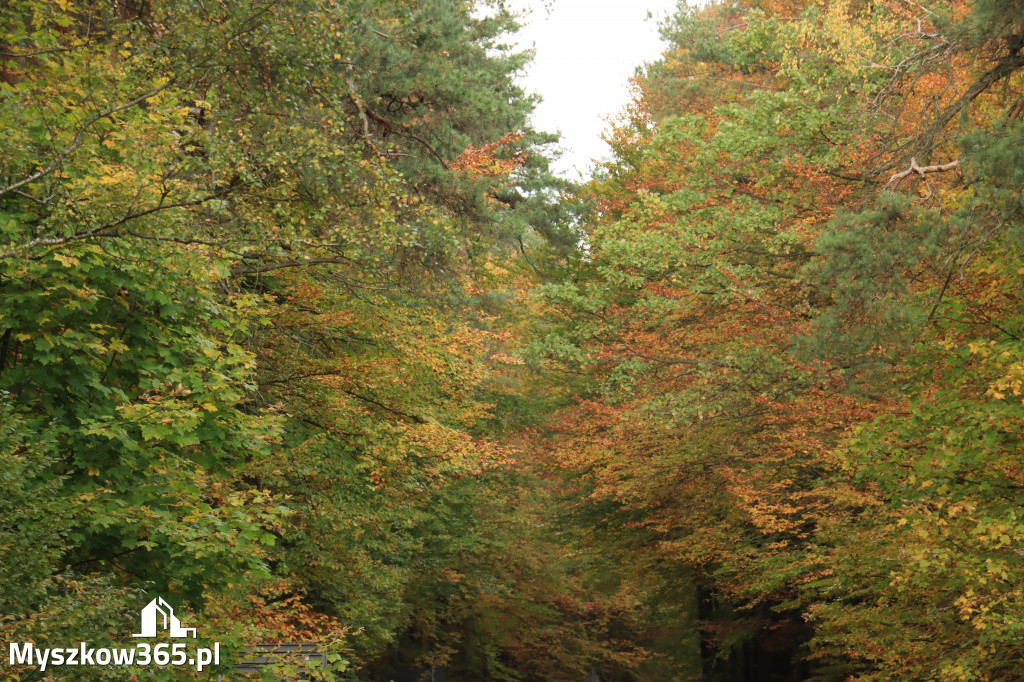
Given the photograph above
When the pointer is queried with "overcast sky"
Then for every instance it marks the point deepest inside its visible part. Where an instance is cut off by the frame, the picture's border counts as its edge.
(586, 52)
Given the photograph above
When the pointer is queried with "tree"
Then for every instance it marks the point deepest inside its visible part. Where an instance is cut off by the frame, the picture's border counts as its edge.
(756, 289)
(232, 235)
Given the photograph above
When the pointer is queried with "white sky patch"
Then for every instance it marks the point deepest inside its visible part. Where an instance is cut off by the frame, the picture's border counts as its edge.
(586, 51)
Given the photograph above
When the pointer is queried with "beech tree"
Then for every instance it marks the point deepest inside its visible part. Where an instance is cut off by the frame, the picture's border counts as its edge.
(237, 244)
(795, 274)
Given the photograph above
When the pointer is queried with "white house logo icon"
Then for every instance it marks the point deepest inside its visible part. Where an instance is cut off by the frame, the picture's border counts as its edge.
(170, 621)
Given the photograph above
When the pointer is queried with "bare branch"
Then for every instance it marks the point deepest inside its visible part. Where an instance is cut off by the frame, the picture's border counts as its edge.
(280, 265)
(921, 170)
(366, 113)
(362, 114)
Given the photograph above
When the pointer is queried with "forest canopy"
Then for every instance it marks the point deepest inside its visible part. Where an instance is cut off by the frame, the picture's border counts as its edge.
(299, 332)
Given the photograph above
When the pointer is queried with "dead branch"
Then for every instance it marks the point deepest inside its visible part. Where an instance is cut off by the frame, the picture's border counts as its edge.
(921, 170)
(366, 113)
(362, 114)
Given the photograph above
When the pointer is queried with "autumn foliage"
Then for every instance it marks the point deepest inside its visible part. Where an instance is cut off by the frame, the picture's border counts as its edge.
(796, 329)
(298, 331)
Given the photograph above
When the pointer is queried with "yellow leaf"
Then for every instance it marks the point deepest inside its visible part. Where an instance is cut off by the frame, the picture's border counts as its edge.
(66, 261)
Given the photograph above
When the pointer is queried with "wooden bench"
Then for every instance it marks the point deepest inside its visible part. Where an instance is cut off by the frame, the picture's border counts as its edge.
(258, 657)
